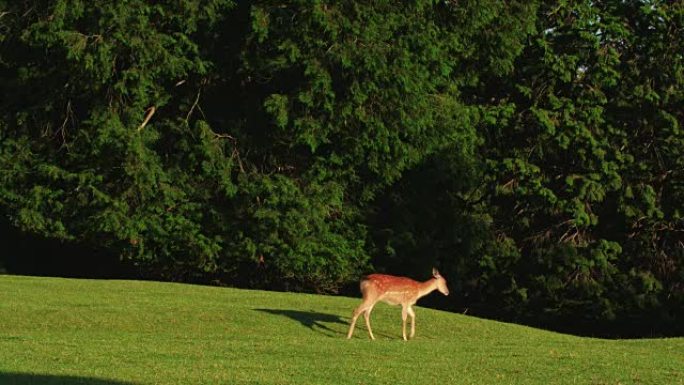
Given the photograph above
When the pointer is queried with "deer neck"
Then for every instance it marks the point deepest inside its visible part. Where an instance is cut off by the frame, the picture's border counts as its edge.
(427, 287)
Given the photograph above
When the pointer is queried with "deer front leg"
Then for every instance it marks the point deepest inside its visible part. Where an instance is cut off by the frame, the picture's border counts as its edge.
(412, 314)
(404, 313)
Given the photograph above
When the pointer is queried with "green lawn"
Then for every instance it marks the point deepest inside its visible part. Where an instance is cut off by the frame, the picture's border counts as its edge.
(63, 331)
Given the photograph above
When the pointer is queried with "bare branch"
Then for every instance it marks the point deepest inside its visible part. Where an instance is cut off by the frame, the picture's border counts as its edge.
(194, 105)
(150, 111)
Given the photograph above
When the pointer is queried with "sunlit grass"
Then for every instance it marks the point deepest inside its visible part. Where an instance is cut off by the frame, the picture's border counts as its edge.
(61, 331)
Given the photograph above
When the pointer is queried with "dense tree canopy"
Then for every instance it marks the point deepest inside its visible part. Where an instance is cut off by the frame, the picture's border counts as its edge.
(532, 150)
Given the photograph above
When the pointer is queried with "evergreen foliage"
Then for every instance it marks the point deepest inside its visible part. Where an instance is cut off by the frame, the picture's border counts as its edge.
(533, 150)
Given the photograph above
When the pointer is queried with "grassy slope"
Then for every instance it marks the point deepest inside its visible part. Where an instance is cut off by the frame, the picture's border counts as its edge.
(59, 331)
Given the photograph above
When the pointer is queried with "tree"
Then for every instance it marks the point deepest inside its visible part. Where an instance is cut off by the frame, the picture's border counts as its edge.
(236, 143)
(588, 164)
(532, 150)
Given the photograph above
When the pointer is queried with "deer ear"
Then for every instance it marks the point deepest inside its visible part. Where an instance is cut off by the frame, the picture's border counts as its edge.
(435, 273)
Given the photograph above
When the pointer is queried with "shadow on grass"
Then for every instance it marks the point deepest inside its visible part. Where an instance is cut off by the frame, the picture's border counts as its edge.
(317, 321)
(313, 320)
(46, 379)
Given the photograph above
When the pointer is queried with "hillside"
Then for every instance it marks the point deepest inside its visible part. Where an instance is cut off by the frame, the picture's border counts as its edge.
(64, 331)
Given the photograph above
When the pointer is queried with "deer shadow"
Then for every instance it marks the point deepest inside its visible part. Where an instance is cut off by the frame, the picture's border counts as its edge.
(313, 320)
(47, 379)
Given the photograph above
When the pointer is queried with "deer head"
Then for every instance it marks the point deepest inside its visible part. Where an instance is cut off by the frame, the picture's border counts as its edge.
(441, 282)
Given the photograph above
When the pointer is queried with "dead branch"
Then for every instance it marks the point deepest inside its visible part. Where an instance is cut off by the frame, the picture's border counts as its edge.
(68, 114)
(194, 105)
(149, 112)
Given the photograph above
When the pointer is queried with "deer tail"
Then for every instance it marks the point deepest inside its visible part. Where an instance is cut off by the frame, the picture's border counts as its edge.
(365, 283)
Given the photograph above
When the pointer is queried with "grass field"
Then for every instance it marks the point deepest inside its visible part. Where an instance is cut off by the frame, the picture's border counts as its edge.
(62, 331)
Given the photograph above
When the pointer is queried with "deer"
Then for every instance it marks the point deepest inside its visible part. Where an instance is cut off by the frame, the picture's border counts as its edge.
(395, 291)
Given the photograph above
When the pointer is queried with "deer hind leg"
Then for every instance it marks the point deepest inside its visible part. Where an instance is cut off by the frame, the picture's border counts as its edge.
(412, 314)
(404, 313)
(366, 315)
(355, 315)
(365, 308)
